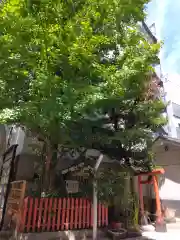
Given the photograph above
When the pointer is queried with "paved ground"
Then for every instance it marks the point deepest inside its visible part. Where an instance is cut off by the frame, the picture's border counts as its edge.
(170, 235)
(173, 233)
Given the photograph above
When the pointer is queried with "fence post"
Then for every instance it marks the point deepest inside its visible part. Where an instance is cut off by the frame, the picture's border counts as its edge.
(36, 214)
(24, 214)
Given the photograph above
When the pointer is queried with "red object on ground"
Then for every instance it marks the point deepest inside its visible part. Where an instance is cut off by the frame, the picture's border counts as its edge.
(116, 225)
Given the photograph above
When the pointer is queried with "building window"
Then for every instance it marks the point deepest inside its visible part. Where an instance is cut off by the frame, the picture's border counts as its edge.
(178, 132)
(176, 110)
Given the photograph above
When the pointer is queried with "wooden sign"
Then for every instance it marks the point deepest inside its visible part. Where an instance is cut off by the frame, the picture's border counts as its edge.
(16, 196)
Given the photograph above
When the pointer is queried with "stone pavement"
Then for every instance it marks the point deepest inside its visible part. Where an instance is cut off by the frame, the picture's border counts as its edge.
(173, 233)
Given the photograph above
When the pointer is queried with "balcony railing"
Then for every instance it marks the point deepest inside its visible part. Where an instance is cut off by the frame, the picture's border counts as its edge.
(155, 88)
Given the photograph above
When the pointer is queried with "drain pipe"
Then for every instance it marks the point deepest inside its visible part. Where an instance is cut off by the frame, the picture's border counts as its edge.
(95, 196)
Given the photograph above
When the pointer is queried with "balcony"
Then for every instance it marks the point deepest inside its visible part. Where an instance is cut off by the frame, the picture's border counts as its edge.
(176, 110)
(155, 88)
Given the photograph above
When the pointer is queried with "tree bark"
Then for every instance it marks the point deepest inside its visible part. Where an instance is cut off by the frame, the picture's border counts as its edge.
(48, 160)
(50, 174)
(135, 201)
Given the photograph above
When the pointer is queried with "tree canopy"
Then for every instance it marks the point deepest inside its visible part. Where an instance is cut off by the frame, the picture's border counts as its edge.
(77, 73)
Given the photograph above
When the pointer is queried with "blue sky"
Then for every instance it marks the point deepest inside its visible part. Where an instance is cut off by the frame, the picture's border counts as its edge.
(166, 15)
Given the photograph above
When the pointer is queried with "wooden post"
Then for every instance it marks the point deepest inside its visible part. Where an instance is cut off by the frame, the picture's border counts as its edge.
(158, 203)
(160, 225)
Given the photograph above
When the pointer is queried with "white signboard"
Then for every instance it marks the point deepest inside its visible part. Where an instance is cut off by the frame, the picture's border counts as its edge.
(72, 186)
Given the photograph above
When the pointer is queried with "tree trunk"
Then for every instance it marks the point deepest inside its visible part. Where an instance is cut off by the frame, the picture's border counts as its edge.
(48, 160)
(50, 175)
(135, 202)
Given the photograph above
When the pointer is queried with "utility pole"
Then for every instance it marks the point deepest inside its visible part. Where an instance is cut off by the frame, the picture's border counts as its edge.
(95, 197)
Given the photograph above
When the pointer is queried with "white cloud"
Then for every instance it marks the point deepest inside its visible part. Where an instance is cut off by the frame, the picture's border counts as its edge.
(156, 13)
(165, 14)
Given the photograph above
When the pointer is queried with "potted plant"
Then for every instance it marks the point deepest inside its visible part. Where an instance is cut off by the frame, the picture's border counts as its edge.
(116, 234)
(116, 230)
(117, 220)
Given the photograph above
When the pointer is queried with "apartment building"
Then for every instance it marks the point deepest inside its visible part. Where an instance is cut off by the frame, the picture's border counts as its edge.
(158, 22)
(157, 78)
(170, 91)
(172, 95)
(166, 148)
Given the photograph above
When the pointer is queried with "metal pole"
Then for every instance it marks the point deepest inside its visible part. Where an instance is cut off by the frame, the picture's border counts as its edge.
(95, 209)
(95, 201)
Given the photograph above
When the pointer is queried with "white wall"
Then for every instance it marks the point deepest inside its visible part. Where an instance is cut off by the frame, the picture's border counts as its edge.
(172, 91)
(170, 186)
(169, 183)
(172, 86)
(17, 137)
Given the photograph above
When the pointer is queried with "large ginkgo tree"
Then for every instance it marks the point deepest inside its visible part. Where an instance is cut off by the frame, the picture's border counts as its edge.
(77, 73)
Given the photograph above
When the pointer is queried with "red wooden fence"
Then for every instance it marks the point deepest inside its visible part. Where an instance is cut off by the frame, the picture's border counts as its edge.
(56, 214)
